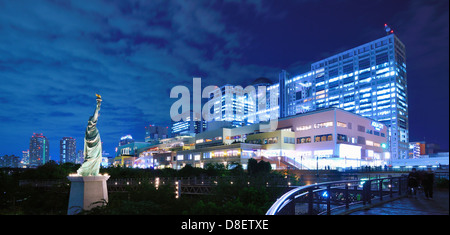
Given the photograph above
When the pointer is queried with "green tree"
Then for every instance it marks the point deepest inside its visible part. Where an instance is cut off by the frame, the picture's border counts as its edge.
(258, 168)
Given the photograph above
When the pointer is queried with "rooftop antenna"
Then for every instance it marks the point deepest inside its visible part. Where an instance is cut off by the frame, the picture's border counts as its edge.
(388, 29)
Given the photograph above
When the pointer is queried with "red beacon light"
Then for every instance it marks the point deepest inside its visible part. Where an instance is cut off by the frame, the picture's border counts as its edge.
(388, 29)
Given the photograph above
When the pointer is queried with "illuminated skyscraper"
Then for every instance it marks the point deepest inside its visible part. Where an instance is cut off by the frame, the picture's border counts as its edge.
(67, 147)
(127, 139)
(188, 127)
(369, 80)
(39, 150)
(238, 107)
(25, 158)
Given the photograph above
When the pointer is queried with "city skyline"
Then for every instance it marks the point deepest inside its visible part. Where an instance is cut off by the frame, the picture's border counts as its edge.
(55, 57)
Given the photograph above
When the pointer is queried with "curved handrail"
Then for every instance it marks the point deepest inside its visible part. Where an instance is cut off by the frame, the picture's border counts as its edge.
(302, 191)
(280, 203)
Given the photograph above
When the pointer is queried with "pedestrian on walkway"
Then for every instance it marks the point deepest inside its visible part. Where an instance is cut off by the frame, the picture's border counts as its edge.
(427, 183)
(413, 182)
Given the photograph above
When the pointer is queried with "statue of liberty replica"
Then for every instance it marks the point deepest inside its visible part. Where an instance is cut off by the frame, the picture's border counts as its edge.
(92, 145)
(88, 187)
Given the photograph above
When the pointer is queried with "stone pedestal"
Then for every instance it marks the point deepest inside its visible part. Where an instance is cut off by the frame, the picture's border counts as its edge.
(86, 190)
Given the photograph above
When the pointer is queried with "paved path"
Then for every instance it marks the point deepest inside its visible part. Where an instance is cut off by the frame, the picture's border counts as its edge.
(439, 205)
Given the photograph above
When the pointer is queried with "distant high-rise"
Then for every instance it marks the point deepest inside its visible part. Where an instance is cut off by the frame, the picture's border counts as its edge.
(9, 161)
(67, 147)
(39, 150)
(126, 139)
(80, 157)
(25, 158)
(154, 133)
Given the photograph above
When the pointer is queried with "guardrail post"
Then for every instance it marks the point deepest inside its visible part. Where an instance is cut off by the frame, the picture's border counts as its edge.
(366, 192)
(346, 196)
(391, 185)
(328, 199)
(381, 189)
(310, 201)
(364, 196)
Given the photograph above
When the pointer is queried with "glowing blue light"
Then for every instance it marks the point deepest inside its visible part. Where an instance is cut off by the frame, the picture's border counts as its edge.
(325, 194)
(377, 126)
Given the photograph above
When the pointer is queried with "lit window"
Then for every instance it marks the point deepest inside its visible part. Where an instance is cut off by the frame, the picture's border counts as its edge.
(323, 125)
(303, 128)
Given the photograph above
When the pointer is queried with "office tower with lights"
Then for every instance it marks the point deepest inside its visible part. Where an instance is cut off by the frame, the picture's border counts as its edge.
(39, 150)
(25, 158)
(126, 139)
(80, 157)
(233, 106)
(239, 107)
(188, 127)
(369, 80)
(67, 149)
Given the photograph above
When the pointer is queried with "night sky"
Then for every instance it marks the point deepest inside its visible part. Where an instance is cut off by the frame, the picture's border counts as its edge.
(55, 55)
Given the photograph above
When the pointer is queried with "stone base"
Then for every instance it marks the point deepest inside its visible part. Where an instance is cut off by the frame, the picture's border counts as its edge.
(86, 191)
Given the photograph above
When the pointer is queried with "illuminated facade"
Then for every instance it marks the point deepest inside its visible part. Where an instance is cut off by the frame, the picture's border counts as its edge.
(67, 149)
(369, 80)
(327, 138)
(126, 139)
(236, 153)
(80, 157)
(335, 138)
(239, 107)
(128, 153)
(330, 137)
(25, 158)
(39, 150)
(188, 127)
(416, 149)
(9, 161)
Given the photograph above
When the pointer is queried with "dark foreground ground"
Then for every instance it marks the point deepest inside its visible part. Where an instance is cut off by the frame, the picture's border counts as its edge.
(419, 205)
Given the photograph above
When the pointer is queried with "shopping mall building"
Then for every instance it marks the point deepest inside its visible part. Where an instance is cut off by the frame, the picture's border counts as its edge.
(328, 138)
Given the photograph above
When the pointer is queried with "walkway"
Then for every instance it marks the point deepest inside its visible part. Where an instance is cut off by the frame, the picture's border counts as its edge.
(439, 205)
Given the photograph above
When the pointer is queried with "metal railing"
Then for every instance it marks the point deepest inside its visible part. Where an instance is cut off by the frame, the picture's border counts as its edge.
(201, 185)
(323, 198)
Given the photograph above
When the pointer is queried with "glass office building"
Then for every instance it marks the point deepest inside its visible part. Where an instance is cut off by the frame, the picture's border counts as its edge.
(67, 149)
(188, 127)
(39, 150)
(239, 107)
(369, 80)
